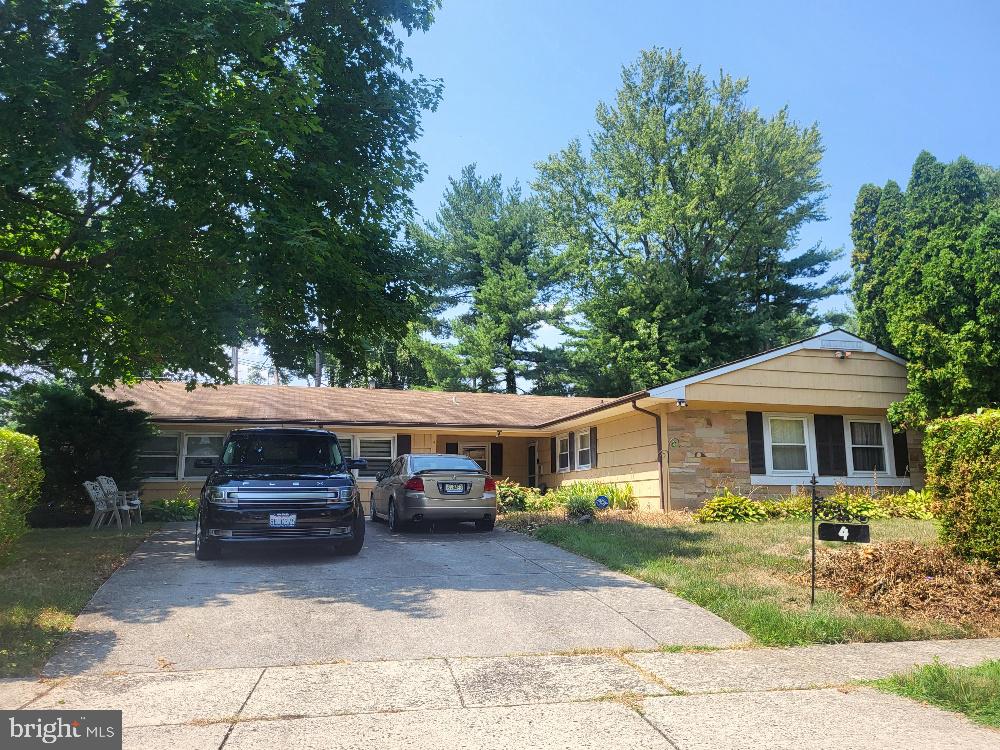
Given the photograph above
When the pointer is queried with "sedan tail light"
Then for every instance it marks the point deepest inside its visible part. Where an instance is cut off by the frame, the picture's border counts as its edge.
(490, 486)
(416, 484)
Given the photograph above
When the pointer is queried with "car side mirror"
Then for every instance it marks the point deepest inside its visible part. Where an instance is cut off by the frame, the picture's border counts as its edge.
(204, 463)
(357, 463)
(380, 476)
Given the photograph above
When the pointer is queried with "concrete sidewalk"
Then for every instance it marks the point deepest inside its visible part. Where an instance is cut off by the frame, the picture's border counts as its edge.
(740, 698)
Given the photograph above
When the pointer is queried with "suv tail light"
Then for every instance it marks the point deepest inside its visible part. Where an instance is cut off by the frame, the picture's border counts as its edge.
(416, 484)
(490, 486)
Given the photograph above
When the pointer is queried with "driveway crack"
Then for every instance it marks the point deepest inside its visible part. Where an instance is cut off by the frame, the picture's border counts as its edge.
(243, 705)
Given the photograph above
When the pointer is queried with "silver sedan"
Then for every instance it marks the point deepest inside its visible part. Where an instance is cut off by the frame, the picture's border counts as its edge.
(434, 486)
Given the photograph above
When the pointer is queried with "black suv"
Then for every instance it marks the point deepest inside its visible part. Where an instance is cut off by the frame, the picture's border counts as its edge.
(279, 485)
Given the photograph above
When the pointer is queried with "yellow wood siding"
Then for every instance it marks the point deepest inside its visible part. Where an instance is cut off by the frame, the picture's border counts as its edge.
(626, 454)
(809, 377)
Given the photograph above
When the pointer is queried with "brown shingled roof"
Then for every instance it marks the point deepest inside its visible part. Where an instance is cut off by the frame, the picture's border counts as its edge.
(170, 401)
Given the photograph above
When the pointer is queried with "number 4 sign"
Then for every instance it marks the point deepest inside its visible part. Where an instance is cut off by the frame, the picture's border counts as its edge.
(859, 533)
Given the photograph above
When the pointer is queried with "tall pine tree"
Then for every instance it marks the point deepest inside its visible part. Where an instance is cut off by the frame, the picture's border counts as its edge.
(496, 267)
(680, 221)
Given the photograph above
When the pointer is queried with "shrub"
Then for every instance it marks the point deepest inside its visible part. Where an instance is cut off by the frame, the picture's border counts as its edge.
(536, 501)
(963, 479)
(81, 434)
(580, 505)
(911, 504)
(842, 504)
(181, 507)
(580, 494)
(511, 496)
(729, 506)
(20, 480)
(845, 504)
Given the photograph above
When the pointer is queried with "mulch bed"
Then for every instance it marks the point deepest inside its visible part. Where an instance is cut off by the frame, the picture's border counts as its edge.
(907, 579)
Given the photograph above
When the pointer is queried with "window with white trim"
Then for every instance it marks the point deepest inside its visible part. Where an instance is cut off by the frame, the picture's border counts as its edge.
(788, 445)
(867, 447)
(562, 453)
(158, 457)
(583, 450)
(477, 453)
(379, 451)
(197, 445)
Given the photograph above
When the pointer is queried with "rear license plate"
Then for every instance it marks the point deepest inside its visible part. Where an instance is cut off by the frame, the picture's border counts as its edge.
(282, 520)
(453, 488)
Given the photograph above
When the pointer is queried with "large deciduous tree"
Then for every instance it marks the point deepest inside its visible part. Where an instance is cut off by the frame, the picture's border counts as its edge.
(927, 283)
(178, 176)
(495, 264)
(680, 220)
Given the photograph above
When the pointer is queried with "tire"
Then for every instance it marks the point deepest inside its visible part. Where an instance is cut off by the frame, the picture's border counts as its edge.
(203, 548)
(396, 524)
(354, 546)
(374, 515)
(486, 524)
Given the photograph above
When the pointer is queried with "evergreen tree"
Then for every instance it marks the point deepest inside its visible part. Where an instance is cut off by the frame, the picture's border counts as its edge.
(927, 284)
(679, 222)
(497, 269)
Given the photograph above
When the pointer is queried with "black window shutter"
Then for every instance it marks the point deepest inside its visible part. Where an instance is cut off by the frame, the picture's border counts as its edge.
(451, 447)
(831, 452)
(552, 454)
(572, 451)
(496, 459)
(901, 453)
(755, 442)
(593, 447)
(403, 444)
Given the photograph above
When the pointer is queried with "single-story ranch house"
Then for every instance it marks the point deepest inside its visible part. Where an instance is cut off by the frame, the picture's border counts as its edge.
(774, 419)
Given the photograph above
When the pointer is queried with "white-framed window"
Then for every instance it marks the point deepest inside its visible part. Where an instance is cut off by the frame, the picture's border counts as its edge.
(378, 450)
(478, 453)
(562, 453)
(583, 450)
(786, 439)
(158, 457)
(198, 445)
(866, 451)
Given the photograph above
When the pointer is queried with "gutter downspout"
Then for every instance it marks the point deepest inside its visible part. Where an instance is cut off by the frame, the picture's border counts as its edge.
(659, 450)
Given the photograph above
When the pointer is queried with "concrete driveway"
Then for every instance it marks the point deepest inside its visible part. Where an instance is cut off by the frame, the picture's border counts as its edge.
(412, 595)
(414, 644)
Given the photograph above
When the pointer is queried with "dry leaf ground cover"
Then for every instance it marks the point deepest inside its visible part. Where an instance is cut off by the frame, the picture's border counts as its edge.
(914, 580)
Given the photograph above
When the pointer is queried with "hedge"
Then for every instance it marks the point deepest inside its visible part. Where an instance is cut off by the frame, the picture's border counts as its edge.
(963, 477)
(20, 482)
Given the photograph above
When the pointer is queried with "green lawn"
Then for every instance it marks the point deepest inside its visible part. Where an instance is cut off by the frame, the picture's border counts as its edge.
(45, 580)
(973, 691)
(743, 572)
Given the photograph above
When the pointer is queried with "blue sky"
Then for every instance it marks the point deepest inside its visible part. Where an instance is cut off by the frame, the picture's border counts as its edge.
(883, 80)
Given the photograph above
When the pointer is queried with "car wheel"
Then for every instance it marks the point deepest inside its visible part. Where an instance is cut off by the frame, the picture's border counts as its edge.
(395, 522)
(354, 546)
(203, 548)
(486, 524)
(374, 515)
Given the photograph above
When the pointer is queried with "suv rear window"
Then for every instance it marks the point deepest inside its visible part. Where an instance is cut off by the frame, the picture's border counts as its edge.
(283, 450)
(443, 463)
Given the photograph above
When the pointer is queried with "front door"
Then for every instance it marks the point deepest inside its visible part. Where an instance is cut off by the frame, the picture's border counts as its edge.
(532, 464)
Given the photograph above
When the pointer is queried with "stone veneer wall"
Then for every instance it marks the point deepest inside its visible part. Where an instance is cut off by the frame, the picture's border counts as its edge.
(706, 450)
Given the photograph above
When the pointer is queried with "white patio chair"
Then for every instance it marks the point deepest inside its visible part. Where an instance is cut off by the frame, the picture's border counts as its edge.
(126, 500)
(105, 507)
